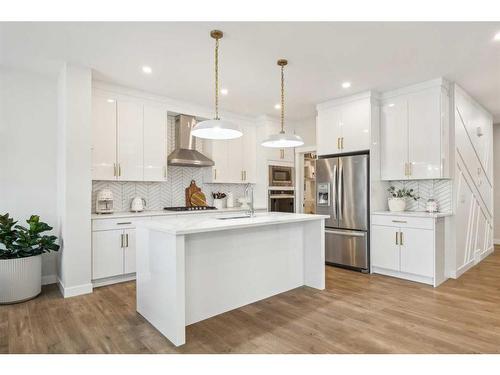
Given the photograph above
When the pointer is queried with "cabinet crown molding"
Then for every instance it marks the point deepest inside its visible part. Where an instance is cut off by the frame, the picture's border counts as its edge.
(438, 82)
(374, 96)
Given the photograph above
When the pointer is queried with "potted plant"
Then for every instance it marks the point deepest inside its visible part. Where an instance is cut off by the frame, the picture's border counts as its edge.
(397, 198)
(21, 250)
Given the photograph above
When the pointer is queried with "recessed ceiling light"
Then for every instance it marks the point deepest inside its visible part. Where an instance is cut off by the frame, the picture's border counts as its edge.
(346, 85)
(224, 91)
(111, 100)
(147, 69)
(497, 37)
(277, 106)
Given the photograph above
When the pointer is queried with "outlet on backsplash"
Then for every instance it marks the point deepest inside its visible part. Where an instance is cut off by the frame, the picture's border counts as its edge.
(440, 190)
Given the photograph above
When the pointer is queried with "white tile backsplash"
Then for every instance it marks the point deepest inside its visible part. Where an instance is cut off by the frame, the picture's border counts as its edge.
(440, 190)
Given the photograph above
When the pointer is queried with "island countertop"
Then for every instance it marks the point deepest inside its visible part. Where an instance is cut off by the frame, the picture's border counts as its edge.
(199, 224)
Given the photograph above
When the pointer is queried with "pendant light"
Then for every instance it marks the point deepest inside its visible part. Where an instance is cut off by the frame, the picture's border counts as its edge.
(283, 140)
(216, 128)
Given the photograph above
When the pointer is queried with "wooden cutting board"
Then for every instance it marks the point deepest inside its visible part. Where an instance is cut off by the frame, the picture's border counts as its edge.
(194, 196)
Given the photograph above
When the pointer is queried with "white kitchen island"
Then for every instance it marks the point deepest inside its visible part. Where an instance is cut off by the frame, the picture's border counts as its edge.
(194, 267)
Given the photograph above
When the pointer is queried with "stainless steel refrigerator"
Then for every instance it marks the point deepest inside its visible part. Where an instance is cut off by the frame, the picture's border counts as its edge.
(342, 191)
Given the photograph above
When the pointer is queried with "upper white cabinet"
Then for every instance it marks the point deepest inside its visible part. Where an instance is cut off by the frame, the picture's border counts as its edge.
(103, 138)
(129, 139)
(266, 127)
(414, 132)
(235, 159)
(344, 125)
(155, 143)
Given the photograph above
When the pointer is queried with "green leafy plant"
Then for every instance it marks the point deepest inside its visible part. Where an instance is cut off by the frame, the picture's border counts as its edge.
(402, 193)
(17, 241)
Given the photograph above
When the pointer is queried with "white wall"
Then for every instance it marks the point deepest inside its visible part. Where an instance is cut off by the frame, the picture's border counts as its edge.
(28, 157)
(74, 179)
(496, 183)
(306, 128)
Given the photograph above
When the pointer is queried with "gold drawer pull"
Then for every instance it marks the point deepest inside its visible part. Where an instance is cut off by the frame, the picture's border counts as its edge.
(399, 221)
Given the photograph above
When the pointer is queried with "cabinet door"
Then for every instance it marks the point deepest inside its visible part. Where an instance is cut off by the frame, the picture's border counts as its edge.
(130, 141)
(103, 138)
(417, 251)
(129, 251)
(155, 143)
(328, 132)
(250, 155)
(217, 151)
(394, 139)
(107, 254)
(424, 134)
(355, 126)
(385, 250)
(234, 163)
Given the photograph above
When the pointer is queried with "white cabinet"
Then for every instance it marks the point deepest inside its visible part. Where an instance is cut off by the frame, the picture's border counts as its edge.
(410, 248)
(414, 132)
(113, 253)
(235, 159)
(344, 125)
(155, 143)
(103, 138)
(129, 139)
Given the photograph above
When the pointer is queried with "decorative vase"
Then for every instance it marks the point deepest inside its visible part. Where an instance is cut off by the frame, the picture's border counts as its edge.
(397, 204)
(219, 203)
(20, 279)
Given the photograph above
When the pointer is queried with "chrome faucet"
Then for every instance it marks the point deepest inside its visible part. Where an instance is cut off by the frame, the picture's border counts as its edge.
(251, 209)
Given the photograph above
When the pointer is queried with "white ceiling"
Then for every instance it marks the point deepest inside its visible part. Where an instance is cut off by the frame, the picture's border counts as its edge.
(321, 56)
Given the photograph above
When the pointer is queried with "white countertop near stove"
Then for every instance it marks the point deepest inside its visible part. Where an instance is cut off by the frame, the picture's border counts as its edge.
(147, 213)
(413, 214)
(199, 224)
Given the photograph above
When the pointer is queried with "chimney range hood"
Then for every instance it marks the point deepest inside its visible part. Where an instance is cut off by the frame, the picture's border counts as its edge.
(185, 153)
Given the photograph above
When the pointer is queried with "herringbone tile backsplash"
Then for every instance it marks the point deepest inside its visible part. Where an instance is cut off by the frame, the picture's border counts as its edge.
(440, 190)
(165, 194)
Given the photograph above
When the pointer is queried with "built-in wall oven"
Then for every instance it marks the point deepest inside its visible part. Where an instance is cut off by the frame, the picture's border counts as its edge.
(281, 201)
(280, 176)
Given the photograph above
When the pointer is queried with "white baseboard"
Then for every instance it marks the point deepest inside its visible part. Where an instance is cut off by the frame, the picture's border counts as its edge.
(113, 280)
(49, 279)
(496, 241)
(74, 290)
(467, 266)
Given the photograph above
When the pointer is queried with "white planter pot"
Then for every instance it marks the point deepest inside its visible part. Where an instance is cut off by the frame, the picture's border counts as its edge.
(20, 279)
(220, 203)
(397, 204)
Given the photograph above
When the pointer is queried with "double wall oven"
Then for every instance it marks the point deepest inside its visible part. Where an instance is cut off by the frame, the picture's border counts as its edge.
(281, 189)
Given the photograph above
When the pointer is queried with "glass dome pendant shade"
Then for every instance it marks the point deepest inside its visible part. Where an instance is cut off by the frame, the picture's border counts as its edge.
(283, 140)
(216, 128)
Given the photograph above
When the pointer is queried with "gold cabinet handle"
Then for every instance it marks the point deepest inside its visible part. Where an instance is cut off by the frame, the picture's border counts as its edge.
(342, 143)
(397, 238)
(401, 238)
(215, 174)
(126, 240)
(121, 240)
(114, 169)
(119, 169)
(245, 174)
(338, 143)
(410, 168)
(165, 171)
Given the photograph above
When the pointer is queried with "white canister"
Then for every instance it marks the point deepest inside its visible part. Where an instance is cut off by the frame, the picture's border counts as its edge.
(397, 204)
(219, 203)
(230, 200)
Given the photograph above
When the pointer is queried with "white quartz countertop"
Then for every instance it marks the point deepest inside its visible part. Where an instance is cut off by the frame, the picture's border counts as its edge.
(147, 213)
(201, 223)
(413, 214)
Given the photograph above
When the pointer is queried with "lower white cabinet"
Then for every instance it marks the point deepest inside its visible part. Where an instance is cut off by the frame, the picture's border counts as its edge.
(113, 253)
(410, 248)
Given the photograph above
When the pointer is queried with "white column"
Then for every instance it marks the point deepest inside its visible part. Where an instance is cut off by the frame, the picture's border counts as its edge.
(74, 180)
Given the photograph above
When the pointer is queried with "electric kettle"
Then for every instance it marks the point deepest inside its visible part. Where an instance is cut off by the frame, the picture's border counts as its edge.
(138, 204)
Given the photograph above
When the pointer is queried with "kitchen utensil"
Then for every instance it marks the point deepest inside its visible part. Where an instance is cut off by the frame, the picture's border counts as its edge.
(138, 204)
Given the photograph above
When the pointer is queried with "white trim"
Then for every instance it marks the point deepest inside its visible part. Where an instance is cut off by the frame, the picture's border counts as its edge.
(434, 83)
(113, 280)
(49, 279)
(403, 275)
(74, 290)
(496, 241)
(347, 99)
(463, 269)
(305, 149)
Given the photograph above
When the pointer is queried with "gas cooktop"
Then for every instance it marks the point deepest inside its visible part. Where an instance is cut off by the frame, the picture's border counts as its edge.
(199, 208)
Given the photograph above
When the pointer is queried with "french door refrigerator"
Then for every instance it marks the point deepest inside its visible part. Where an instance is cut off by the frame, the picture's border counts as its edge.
(342, 186)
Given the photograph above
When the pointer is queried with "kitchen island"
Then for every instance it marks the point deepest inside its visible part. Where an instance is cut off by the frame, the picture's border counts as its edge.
(194, 267)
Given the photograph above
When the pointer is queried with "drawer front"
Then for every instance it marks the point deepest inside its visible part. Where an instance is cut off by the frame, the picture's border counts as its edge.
(404, 221)
(113, 224)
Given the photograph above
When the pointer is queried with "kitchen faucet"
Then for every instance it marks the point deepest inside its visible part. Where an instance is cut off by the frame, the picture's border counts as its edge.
(251, 209)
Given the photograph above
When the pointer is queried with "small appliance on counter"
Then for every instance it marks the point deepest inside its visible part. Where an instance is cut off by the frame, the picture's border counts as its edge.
(104, 202)
(138, 204)
(432, 205)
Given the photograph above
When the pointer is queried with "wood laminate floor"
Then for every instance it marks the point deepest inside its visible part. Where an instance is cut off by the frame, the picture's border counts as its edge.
(355, 314)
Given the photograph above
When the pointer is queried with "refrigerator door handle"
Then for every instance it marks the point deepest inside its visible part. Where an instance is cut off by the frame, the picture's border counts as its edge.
(334, 191)
(340, 190)
(346, 233)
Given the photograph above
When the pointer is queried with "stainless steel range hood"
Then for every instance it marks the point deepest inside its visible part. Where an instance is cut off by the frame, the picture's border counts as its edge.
(185, 153)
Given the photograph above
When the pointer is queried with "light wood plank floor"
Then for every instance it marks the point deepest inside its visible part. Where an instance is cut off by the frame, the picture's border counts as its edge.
(355, 314)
